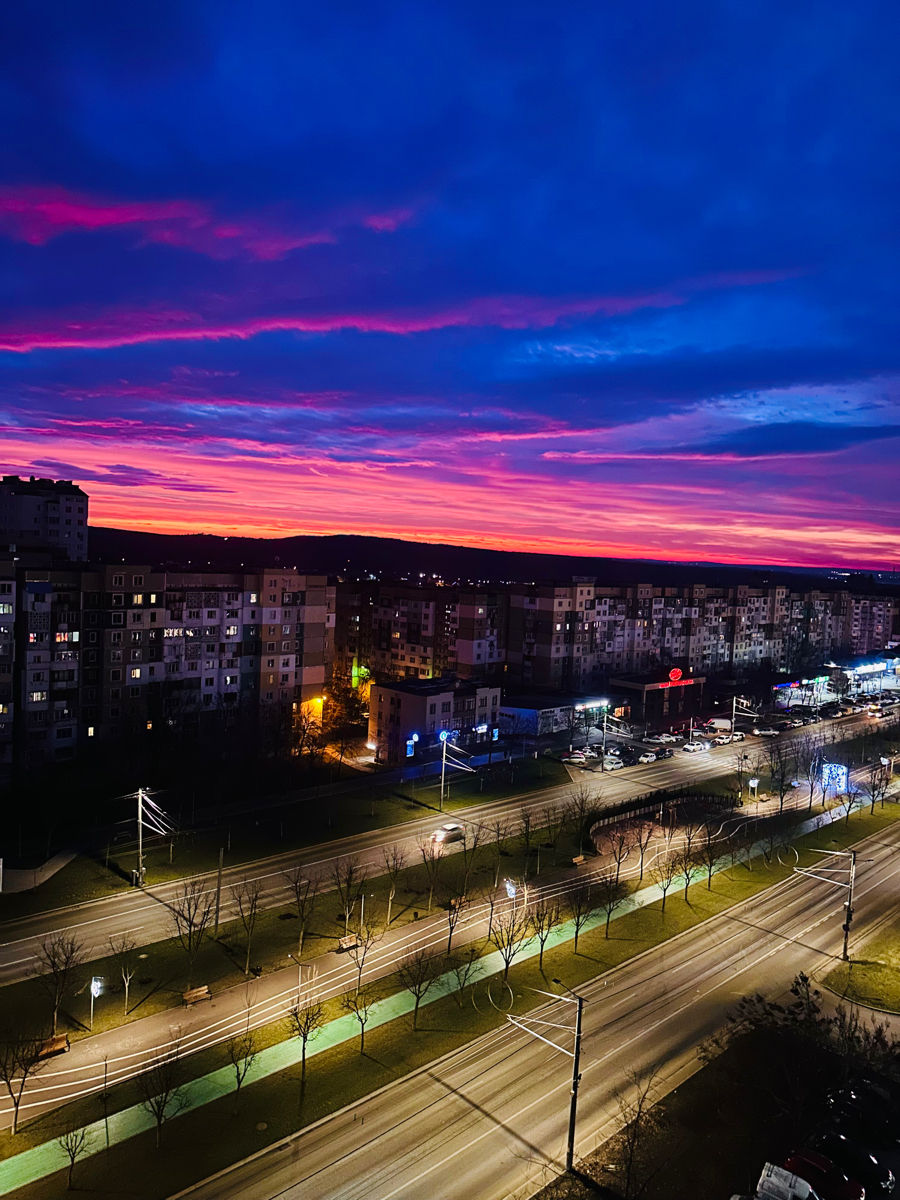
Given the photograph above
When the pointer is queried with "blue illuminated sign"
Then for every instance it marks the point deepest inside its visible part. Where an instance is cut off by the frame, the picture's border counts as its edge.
(835, 776)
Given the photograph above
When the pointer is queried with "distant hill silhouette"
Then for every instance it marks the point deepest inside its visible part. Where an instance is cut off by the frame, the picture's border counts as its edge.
(353, 556)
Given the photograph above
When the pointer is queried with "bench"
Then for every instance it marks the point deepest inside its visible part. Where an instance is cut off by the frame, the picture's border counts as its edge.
(349, 942)
(577, 860)
(58, 1044)
(195, 995)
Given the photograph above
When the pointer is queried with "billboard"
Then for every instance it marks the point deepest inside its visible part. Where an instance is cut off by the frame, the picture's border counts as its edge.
(835, 776)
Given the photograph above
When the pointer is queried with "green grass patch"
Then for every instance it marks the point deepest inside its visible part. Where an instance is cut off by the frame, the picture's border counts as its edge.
(872, 976)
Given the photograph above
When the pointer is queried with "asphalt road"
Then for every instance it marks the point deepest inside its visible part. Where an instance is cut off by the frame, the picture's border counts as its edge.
(490, 1120)
(144, 915)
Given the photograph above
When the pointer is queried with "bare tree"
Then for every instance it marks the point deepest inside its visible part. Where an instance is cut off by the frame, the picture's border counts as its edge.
(618, 842)
(638, 1158)
(57, 957)
(162, 1087)
(499, 829)
(876, 785)
(455, 910)
(552, 820)
(246, 896)
(367, 936)
(526, 831)
(781, 767)
(709, 851)
(581, 811)
(192, 911)
(306, 1021)
(360, 1005)
(349, 880)
(545, 917)
(20, 1059)
(304, 888)
(686, 866)
(124, 951)
(468, 850)
(394, 857)
(664, 873)
(417, 973)
(74, 1143)
(643, 832)
(432, 857)
(510, 934)
(242, 1051)
(809, 762)
(610, 894)
(465, 968)
(581, 907)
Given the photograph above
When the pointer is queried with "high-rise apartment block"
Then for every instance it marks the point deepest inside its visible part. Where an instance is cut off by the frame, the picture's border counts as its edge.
(97, 653)
(44, 514)
(575, 636)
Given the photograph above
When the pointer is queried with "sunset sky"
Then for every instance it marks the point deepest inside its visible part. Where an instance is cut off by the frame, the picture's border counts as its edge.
(587, 278)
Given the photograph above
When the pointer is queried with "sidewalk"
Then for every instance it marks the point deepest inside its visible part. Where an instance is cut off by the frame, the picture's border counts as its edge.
(15, 879)
(49, 1157)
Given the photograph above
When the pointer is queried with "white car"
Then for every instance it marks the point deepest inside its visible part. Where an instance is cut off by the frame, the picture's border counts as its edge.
(667, 738)
(766, 731)
(694, 747)
(647, 757)
(722, 739)
(573, 756)
(737, 736)
(448, 833)
(589, 752)
(612, 764)
(656, 739)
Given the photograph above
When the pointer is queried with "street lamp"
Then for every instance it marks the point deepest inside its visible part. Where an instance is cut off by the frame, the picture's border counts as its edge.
(578, 1001)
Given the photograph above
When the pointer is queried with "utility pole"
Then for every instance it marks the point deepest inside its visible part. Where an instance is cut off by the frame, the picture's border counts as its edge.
(140, 840)
(849, 905)
(829, 875)
(444, 736)
(526, 1024)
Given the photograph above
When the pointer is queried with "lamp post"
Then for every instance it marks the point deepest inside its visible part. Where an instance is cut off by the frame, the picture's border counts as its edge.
(576, 1074)
(96, 989)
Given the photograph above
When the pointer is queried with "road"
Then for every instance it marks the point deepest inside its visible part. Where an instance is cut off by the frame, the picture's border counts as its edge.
(145, 917)
(490, 1120)
(119, 1054)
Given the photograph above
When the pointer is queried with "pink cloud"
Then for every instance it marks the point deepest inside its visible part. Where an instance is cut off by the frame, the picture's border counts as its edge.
(388, 222)
(37, 215)
(110, 329)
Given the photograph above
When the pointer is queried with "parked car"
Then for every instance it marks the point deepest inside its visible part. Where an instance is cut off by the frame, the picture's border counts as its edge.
(572, 756)
(865, 1106)
(450, 832)
(656, 739)
(855, 1160)
(738, 736)
(695, 747)
(765, 731)
(822, 1174)
(665, 752)
(589, 752)
(811, 720)
(668, 738)
(722, 739)
(647, 757)
(795, 722)
(612, 764)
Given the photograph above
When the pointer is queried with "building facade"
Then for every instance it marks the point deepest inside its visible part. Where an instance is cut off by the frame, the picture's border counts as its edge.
(407, 718)
(98, 654)
(44, 514)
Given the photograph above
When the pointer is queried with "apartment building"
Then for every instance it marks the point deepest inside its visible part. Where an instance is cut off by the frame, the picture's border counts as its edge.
(44, 514)
(574, 636)
(402, 631)
(95, 654)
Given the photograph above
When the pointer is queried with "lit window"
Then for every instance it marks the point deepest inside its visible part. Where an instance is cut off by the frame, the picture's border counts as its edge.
(135, 672)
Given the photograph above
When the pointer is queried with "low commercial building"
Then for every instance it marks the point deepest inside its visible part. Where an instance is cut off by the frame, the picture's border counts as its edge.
(407, 718)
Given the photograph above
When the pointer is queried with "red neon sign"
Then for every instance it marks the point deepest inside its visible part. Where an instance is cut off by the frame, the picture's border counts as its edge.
(675, 674)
